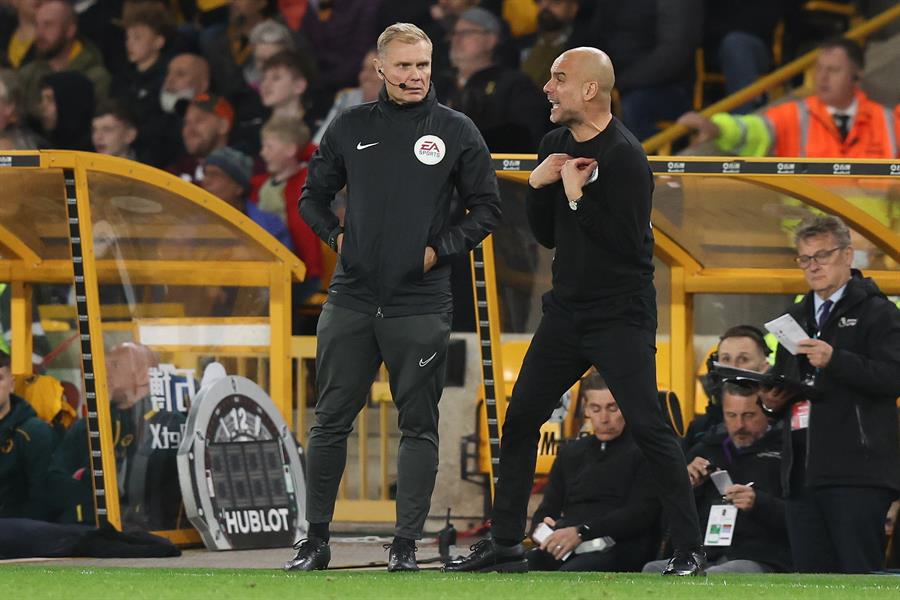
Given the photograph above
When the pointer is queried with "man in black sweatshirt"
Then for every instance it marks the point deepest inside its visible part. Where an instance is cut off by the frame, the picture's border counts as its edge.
(590, 201)
(401, 159)
(599, 488)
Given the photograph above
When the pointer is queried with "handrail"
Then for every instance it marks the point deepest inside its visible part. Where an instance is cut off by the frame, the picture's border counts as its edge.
(770, 81)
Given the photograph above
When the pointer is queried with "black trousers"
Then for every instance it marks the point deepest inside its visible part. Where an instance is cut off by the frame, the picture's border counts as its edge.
(626, 556)
(620, 343)
(838, 529)
(350, 347)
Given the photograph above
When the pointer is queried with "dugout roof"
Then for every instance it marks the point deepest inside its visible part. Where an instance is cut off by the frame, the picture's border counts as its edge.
(109, 250)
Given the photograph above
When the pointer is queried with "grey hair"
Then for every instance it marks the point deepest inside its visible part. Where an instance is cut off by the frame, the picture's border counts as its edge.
(272, 32)
(823, 225)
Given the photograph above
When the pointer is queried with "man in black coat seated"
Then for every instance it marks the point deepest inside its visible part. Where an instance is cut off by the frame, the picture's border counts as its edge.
(600, 488)
(750, 452)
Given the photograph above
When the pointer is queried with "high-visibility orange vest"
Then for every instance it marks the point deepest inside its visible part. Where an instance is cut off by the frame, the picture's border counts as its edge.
(805, 128)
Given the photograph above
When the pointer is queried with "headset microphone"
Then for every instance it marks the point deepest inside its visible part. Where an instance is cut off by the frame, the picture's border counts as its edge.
(400, 85)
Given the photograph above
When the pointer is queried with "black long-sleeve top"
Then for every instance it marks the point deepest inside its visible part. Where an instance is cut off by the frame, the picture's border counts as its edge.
(606, 486)
(401, 166)
(604, 249)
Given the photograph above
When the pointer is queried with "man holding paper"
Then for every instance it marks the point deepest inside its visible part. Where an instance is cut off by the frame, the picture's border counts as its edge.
(841, 463)
(736, 478)
(600, 507)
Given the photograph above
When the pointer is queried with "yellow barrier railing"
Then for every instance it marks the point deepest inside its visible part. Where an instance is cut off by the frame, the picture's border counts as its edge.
(665, 138)
(360, 506)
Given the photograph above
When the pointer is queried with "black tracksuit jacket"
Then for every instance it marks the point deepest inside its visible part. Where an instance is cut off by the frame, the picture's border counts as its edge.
(397, 204)
(853, 430)
(606, 486)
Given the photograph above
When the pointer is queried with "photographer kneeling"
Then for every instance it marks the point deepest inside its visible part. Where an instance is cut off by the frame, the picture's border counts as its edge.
(600, 509)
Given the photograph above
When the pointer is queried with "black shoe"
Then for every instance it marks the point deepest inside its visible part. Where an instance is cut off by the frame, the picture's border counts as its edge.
(686, 563)
(489, 556)
(402, 555)
(312, 555)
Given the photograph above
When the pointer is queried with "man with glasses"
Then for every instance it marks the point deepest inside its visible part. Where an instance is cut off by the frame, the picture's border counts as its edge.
(841, 463)
(506, 106)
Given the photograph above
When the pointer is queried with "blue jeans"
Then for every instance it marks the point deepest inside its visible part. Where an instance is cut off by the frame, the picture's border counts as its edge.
(642, 108)
(744, 58)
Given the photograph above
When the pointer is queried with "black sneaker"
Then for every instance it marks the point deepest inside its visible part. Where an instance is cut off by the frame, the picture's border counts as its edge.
(489, 556)
(402, 555)
(686, 563)
(312, 555)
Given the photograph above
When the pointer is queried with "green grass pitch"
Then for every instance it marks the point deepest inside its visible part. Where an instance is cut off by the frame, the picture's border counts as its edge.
(92, 583)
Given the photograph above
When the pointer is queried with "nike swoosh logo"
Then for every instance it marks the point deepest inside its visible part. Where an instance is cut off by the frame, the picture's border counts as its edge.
(423, 361)
(361, 146)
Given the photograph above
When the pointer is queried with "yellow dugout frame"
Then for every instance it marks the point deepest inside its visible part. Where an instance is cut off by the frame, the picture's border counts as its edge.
(47, 236)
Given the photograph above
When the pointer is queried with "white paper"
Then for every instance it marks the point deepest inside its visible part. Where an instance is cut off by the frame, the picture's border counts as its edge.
(722, 480)
(788, 332)
(541, 533)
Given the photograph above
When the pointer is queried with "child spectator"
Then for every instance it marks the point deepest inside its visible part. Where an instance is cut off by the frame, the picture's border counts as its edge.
(114, 130)
(147, 27)
(283, 84)
(286, 149)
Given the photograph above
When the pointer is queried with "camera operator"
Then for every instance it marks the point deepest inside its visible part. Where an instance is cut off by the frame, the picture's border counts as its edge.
(741, 346)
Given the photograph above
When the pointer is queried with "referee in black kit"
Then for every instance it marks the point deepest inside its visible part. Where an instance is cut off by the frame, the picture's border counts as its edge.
(591, 201)
(401, 158)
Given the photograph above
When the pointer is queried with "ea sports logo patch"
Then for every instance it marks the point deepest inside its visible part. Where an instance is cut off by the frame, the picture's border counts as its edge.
(429, 149)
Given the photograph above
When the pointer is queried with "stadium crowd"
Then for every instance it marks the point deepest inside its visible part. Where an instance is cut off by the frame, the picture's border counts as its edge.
(169, 83)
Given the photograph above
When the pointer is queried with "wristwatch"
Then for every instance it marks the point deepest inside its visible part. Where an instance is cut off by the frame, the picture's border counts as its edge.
(583, 530)
(573, 204)
(333, 236)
